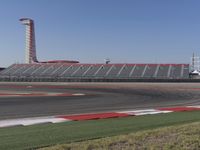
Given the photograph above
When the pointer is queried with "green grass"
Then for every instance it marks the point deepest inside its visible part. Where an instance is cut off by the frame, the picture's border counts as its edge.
(36, 136)
(177, 137)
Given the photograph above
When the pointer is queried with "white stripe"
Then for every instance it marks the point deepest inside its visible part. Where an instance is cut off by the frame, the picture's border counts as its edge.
(145, 112)
(78, 94)
(30, 121)
(197, 106)
(53, 94)
(137, 111)
(151, 113)
(29, 86)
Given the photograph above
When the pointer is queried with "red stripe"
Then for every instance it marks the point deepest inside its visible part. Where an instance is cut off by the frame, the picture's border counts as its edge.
(94, 116)
(179, 109)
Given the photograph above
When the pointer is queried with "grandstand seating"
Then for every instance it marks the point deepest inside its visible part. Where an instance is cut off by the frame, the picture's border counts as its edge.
(95, 71)
(70, 69)
(81, 70)
(114, 71)
(163, 71)
(150, 71)
(1, 69)
(126, 71)
(176, 71)
(138, 71)
(58, 71)
(101, 72)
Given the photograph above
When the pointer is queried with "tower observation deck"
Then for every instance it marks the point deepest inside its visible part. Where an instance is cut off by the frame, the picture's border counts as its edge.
(30, 49)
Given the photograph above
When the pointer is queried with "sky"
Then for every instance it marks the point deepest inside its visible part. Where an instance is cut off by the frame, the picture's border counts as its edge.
(125, 31)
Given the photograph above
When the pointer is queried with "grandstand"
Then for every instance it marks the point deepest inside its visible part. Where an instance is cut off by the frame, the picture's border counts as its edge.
(1, 69)
(69, 70)
(78, 72)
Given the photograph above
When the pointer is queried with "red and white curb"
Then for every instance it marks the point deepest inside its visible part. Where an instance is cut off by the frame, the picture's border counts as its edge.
(58, 119)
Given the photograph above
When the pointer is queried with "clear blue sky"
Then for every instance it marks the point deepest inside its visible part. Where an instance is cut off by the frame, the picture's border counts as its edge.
(126, 31)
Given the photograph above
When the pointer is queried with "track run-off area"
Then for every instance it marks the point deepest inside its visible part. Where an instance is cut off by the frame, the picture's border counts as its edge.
(25, 100)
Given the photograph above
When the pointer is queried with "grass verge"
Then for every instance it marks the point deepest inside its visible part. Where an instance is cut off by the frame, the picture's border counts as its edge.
(182, 137)
(32, 137)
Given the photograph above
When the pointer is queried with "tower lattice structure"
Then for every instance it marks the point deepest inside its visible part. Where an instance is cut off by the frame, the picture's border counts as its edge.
(30, 49)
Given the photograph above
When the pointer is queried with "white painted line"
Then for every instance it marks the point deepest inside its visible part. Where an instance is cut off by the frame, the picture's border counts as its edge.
(78, 94)
(137, 111)
(53, 94)
(152, 113)
(10, 95)
(196, 106)
(144, 112)
(31, 121)
(29, 86)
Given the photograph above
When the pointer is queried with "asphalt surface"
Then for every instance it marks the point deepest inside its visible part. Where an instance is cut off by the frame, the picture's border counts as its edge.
(100, 97)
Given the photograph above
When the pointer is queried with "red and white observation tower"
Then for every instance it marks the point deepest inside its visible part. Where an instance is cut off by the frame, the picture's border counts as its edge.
(30, 50)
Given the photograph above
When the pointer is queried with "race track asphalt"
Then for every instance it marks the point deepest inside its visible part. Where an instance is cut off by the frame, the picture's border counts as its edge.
(100, 97)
